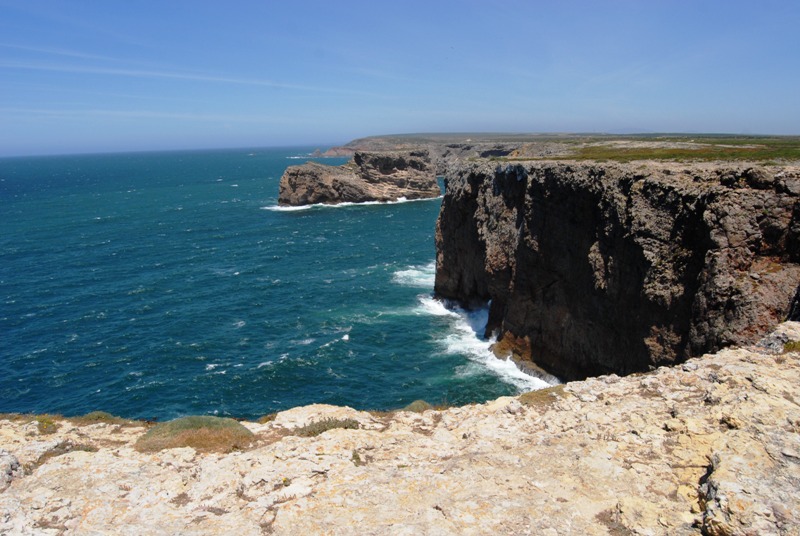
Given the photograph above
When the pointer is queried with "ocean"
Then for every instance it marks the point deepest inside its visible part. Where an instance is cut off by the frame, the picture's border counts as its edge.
(156, 285)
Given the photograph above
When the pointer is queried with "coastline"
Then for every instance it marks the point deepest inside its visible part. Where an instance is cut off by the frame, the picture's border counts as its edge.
(707, 446)
(698, 448)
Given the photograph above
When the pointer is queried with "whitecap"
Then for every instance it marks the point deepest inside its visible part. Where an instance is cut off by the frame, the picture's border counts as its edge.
(416, 276)
(432, 306)
(398, 201)
(281, 208)
(466, 338)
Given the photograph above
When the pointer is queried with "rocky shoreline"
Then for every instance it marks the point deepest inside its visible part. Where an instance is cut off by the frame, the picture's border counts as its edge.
(384, 176)
(593, 269)
(708, 447)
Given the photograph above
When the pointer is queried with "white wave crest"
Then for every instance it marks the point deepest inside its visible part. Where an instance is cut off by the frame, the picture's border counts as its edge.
(466, 338)
(280, 208)
(416, 276)
(398, 201)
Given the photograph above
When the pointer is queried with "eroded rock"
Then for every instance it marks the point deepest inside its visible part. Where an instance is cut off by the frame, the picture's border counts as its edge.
(385, 176)
(599, 268)
(9, 468)
(710, 447)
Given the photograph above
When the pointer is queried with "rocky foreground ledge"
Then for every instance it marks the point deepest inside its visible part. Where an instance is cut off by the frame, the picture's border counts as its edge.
(386, 176)
(708, 447)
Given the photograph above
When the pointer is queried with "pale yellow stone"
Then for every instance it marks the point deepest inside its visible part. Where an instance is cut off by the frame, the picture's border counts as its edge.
(625, 456)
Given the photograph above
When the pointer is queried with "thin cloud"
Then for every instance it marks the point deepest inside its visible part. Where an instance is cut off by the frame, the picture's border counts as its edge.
(141, 73)
(142, 114)
(58, 52)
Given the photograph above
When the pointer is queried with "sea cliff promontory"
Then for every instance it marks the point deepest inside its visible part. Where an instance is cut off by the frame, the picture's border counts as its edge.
(595, 268)
(592, 268)
(369, 176)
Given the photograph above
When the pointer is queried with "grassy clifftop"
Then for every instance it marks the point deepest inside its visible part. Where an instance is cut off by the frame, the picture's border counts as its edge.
(602, 147)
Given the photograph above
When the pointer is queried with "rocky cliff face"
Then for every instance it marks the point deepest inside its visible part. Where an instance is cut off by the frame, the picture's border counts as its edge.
(709, 447)
(597, 268)
(385, 176)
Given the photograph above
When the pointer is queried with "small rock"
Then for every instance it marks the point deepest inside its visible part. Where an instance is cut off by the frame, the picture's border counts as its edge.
(9, 469)
(789, 453)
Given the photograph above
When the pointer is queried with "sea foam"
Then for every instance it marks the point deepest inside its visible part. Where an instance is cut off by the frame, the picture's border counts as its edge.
(465, 335)
(416, 276)
(466, 338)
(398, 201)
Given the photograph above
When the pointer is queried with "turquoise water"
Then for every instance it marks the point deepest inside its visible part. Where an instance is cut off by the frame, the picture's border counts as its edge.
(155, 285)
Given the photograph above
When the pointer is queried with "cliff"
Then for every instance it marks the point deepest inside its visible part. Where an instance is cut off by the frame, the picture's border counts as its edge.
(386, 176)
(709, 447)
(599, 268)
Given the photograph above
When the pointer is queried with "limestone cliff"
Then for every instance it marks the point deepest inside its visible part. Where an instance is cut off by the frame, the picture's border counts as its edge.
(597, 268)
(385, 176)
(709, 447)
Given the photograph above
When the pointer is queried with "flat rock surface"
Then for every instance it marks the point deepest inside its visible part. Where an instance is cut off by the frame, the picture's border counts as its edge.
(711, 446)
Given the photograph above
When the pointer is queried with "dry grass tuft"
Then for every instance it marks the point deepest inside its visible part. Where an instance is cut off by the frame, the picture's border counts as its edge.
(269, 417)
(418, 406)
(791, 346)
(543, 398)
(203, 433)
(316, 428)
(97, 417)
(47, 424)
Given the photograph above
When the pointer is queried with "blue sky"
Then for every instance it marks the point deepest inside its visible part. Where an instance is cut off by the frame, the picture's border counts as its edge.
(94, 76)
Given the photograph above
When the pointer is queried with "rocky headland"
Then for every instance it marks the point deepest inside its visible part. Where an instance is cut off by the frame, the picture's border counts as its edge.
(596, 268)
(369, 176)
(711, 446)
(602, 272)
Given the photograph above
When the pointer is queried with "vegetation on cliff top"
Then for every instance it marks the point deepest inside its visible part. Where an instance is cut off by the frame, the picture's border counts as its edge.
(760, 149)
(605, 147)
(204, 433)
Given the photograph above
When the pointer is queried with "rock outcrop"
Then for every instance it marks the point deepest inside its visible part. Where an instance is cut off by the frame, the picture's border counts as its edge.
(708, 447)
(386, 176)
(599, 268)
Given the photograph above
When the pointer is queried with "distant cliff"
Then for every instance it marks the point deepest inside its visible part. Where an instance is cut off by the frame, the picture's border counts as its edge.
(385, 176)
(599, 268)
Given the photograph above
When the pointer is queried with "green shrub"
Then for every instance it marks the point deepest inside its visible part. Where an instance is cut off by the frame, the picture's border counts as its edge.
(46, 424)
(203, 433)
(316, 428)
(96, 417)
(269, 417)
(791, 346)
(418, 406)
(542, 398)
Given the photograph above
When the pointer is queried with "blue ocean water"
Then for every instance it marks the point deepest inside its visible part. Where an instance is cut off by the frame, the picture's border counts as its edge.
(154, 285)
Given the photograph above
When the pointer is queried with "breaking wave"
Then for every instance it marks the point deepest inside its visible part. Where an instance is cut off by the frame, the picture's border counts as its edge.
(398, 201)
(465, 332)
(465, 337)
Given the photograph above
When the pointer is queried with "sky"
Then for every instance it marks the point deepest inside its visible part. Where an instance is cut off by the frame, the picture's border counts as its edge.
(82, 76)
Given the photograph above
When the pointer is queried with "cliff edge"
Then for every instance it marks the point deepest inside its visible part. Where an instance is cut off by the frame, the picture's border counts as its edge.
(708, 447)
(386, 176)
(596, 268)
